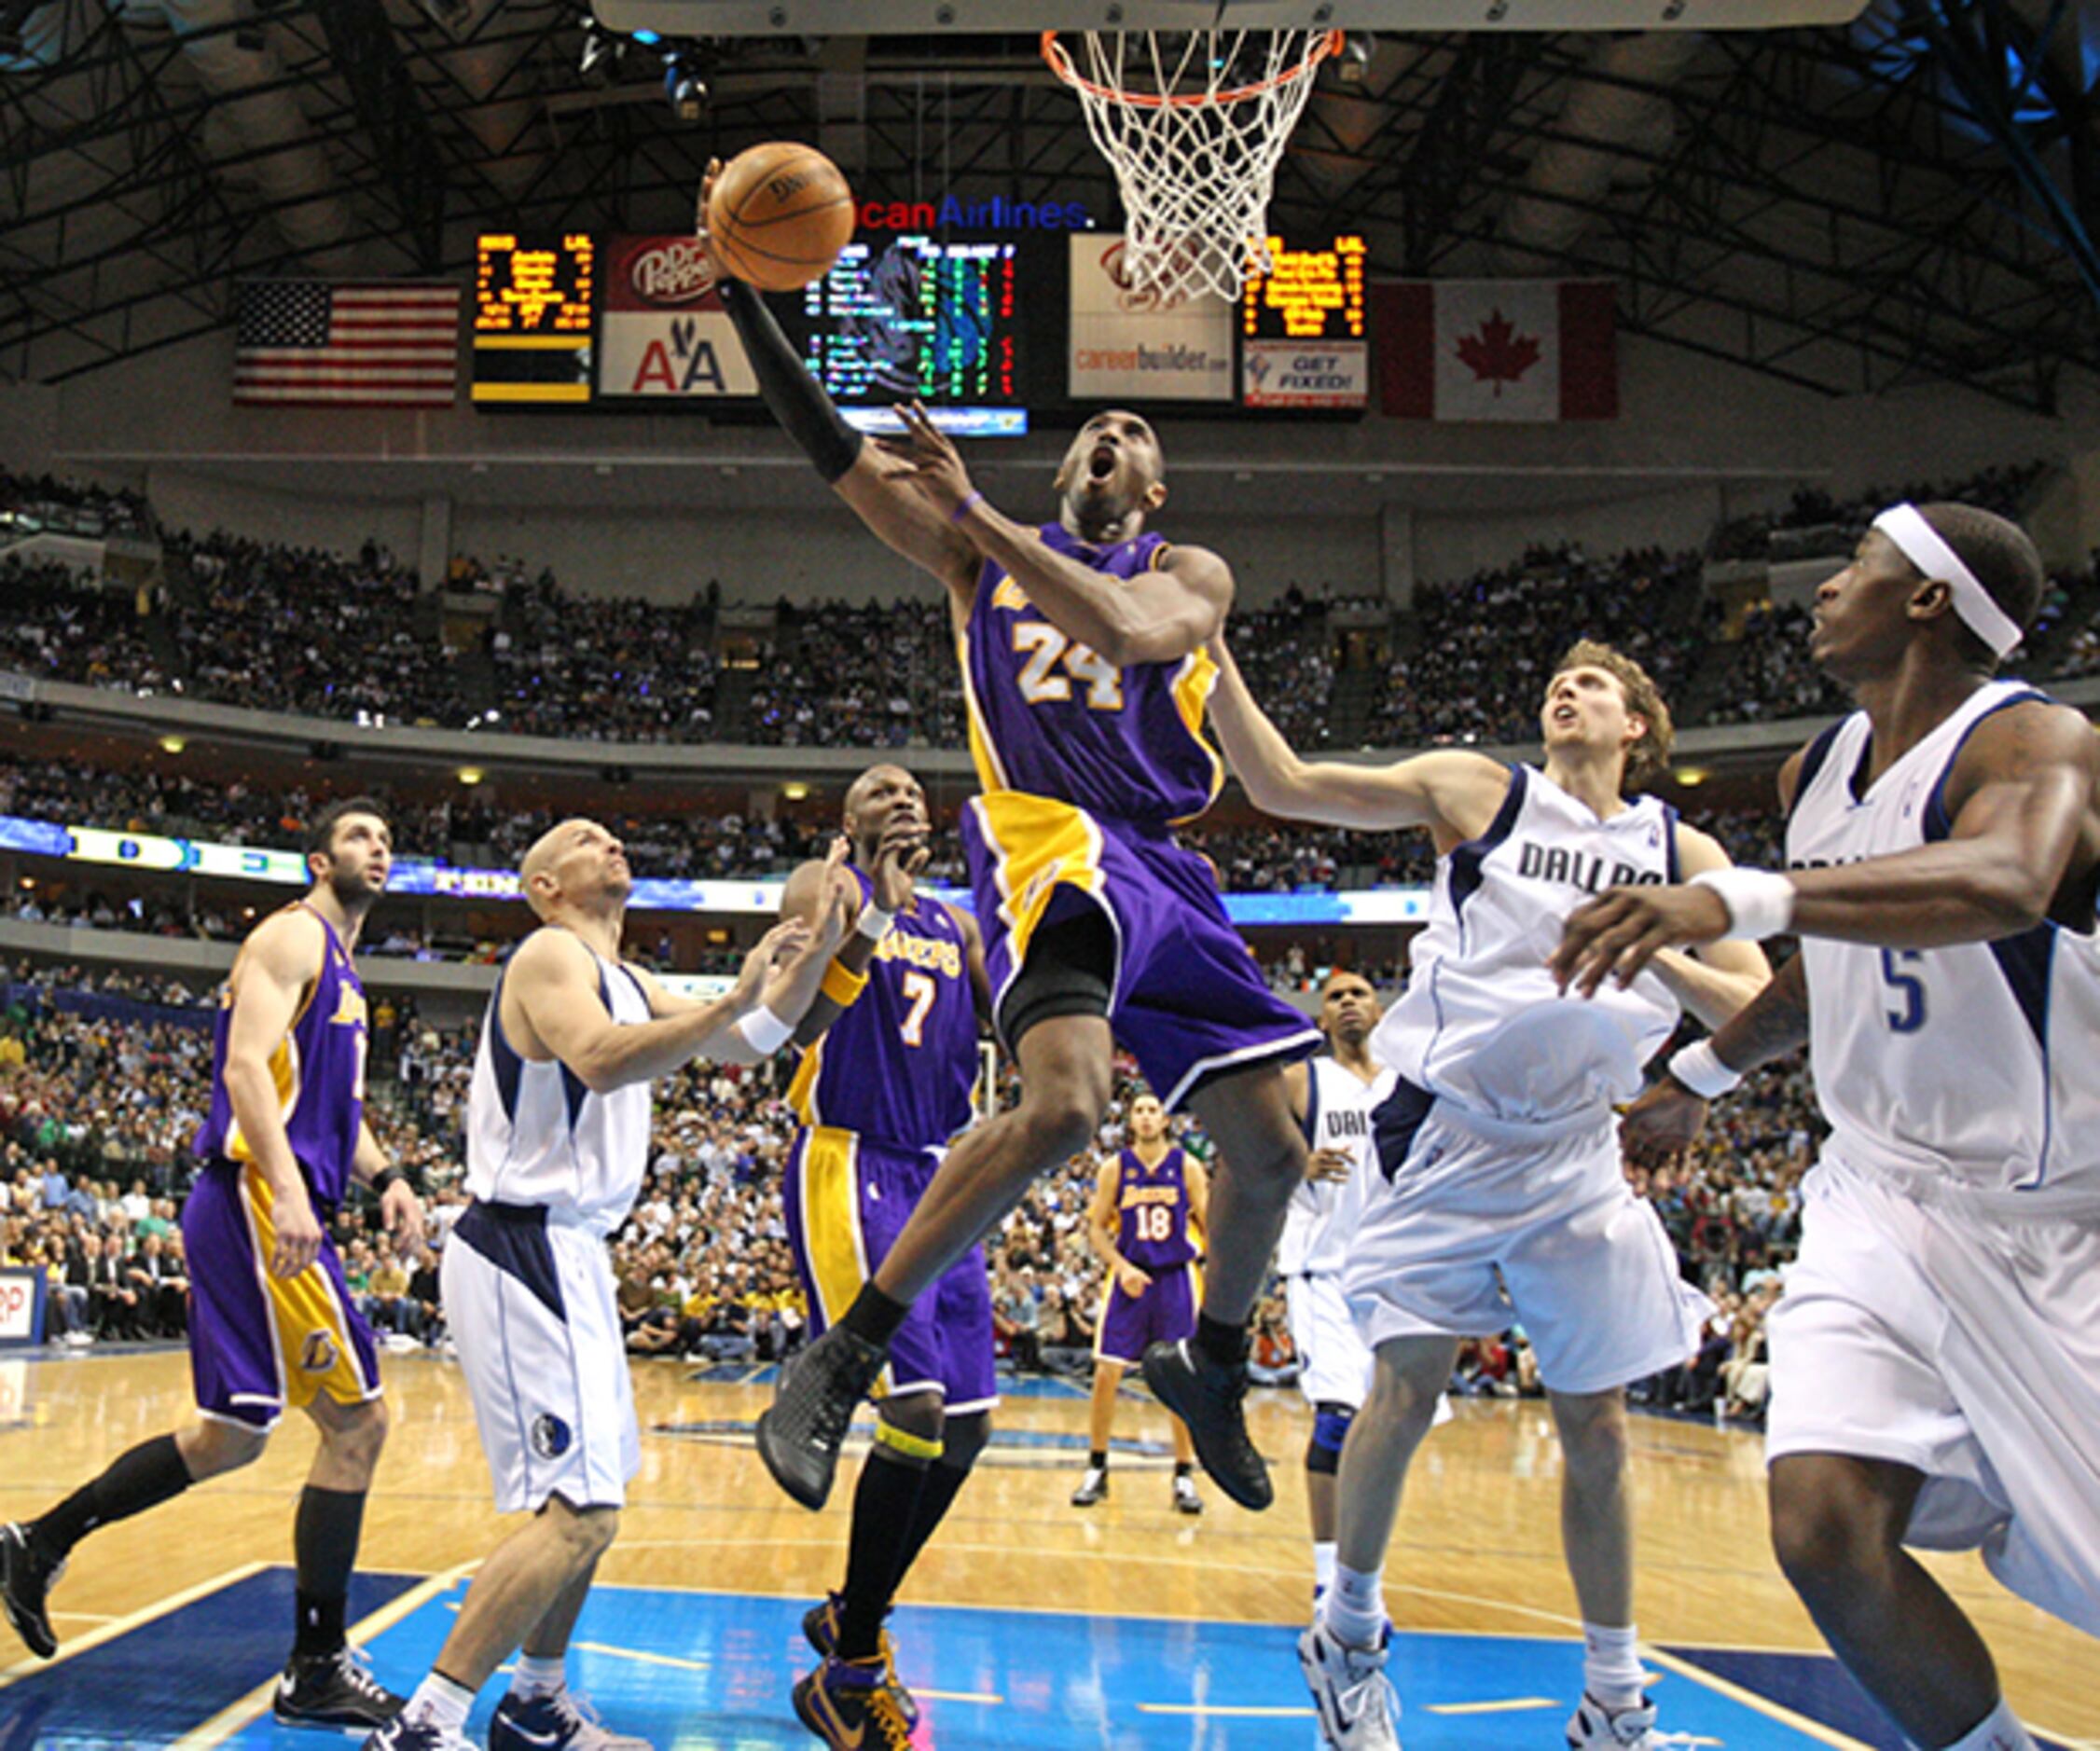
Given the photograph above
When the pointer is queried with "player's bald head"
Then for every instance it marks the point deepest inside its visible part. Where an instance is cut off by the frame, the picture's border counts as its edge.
(540, 875)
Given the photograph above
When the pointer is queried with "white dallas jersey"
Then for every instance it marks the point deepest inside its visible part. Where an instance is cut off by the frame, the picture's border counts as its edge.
(1975, 1062)
(536, 1135)
(1338, 1109)
(1481, 1023)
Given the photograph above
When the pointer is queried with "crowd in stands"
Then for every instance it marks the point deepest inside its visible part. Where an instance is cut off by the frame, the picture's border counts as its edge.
(1831, 526)
(43, 502)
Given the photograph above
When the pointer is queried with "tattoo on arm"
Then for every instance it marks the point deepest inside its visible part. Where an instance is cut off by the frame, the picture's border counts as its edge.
(1772, 1024)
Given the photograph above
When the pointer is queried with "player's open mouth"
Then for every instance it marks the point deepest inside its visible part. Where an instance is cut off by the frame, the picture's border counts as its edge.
(1565, 715)
(1101, 464)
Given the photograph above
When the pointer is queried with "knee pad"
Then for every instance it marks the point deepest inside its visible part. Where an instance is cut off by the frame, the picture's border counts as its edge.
(1330, 1428)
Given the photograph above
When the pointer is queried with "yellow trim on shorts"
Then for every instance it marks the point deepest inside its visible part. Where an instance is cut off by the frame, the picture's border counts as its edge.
(1041, 845)
(831, 1225)
(1101, 1320)
(314, 1351)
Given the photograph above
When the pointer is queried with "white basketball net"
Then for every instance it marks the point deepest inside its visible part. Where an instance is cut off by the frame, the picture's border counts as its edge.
(1194, 123)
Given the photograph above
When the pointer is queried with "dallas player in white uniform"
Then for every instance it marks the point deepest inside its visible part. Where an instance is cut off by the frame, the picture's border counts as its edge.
(1498, 1161)
(1936, 1357)
(558, 1139)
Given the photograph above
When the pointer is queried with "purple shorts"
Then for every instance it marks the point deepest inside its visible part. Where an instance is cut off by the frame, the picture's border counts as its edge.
(260, 1344)
(847, 1200)
(1189, 1002)
(1164, 1314)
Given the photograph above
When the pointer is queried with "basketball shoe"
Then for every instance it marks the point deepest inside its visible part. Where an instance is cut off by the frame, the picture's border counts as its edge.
(801, 1431)
(1349, 1688)
(403, 1734)
(848, 1704)
(26, 1580)
(561, 1720)
(1186, 1501)
(820, 1628)
(334, 1690)
(1208, 1397)
(1629, 1729)
(1093, 1487)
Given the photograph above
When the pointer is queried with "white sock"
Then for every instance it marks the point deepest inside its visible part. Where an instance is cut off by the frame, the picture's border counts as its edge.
(1354, 1610)
(440, 1702)
(1610, 1669)
(1997, 1731)
(1323, 1566)
(539, 1677)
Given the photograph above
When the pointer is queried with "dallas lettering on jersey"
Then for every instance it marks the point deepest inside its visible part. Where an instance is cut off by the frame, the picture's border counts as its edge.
(1591, 873)
(921, 951)
(1346, 1122)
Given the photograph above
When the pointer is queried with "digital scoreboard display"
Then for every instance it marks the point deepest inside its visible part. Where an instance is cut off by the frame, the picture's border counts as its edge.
(535, 302)
(1311, 294)
(900, 316)
(1302, 329)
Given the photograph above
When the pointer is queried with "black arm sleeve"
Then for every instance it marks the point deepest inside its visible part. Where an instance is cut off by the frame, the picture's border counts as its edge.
(796, 399)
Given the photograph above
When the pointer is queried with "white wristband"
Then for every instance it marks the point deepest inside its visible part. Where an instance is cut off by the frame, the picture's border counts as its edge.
(1699, 1068)
(765, 1032)
(1760, 902)
(875, 922)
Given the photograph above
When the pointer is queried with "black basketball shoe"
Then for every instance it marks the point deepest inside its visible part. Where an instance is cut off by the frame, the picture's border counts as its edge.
(26, 1579)
(1207, 1396)
(801, 1431)
(334, 1690)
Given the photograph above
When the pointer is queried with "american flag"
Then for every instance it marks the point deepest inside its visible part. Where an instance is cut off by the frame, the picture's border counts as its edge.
(381, 344)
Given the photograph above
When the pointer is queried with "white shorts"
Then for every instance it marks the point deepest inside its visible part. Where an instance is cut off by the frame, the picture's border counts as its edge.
(1964, 1346)
(532, 1306)
(1474, 1233)
(1337, 1361)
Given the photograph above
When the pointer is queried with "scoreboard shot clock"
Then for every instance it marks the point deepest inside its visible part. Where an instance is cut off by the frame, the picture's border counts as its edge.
(1302, 334)
(535, 303)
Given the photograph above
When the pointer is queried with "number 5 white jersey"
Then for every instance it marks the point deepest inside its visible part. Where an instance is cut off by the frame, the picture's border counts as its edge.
(1976, 1062)
(1482, 1022)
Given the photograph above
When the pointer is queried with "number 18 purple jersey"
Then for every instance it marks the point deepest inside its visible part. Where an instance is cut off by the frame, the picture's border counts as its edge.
(1153, 1211)
(1050, 717)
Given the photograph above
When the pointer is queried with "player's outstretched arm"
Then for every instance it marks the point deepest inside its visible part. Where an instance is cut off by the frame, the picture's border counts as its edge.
(1453, 793)
(1157, 617)
(276, 966)
(814, 887)
(1715, 980)
(2023, 798)
(880, 488)
(554, 981)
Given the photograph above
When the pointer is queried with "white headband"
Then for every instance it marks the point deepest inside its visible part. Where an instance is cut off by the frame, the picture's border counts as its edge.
(1922, 546)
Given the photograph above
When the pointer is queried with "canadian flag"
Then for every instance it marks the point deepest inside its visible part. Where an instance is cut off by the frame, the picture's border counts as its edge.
(1516, 350)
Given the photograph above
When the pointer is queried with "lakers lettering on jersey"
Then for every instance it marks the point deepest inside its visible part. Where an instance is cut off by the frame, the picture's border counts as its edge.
(1895, 1033)
(317, 1070)
(899, 1064)
(1051, 717)
(1482, 1022)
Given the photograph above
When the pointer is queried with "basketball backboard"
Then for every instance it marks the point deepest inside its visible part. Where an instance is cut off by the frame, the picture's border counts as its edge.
(893, 18)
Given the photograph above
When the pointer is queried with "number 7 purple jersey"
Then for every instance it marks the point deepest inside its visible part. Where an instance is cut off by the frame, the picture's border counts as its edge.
(1051, 717)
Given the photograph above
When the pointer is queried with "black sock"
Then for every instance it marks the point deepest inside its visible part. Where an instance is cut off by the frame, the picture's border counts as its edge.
(1099, 1459)
(149, 1474)
(325, 1541)
(1220, 1342)
(884, 1504)
(944, 1483)
(1183, 1468)
(874, 1315)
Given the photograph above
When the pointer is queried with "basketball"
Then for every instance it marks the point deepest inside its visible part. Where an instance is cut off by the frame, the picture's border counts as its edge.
(779, 215)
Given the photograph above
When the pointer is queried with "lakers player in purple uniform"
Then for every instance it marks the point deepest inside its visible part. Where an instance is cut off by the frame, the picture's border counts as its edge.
(272, 1326)
(889, 1059)
(1146, 1201)
(1086, 678)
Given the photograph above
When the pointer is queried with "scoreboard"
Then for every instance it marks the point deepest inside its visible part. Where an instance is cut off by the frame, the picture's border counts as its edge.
(535, 304)
(911, 316)
(1302, 328)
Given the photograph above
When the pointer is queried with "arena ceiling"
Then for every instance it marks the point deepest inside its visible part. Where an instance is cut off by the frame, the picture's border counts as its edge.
(1912, 197)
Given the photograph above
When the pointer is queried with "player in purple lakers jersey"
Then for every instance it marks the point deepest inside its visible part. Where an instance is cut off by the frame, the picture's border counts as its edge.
(1086, 678)
(889, 1060)
(271, 1323)
(1146, 1203)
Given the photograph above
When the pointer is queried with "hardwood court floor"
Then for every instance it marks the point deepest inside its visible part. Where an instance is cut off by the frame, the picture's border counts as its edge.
(1477, 1551)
